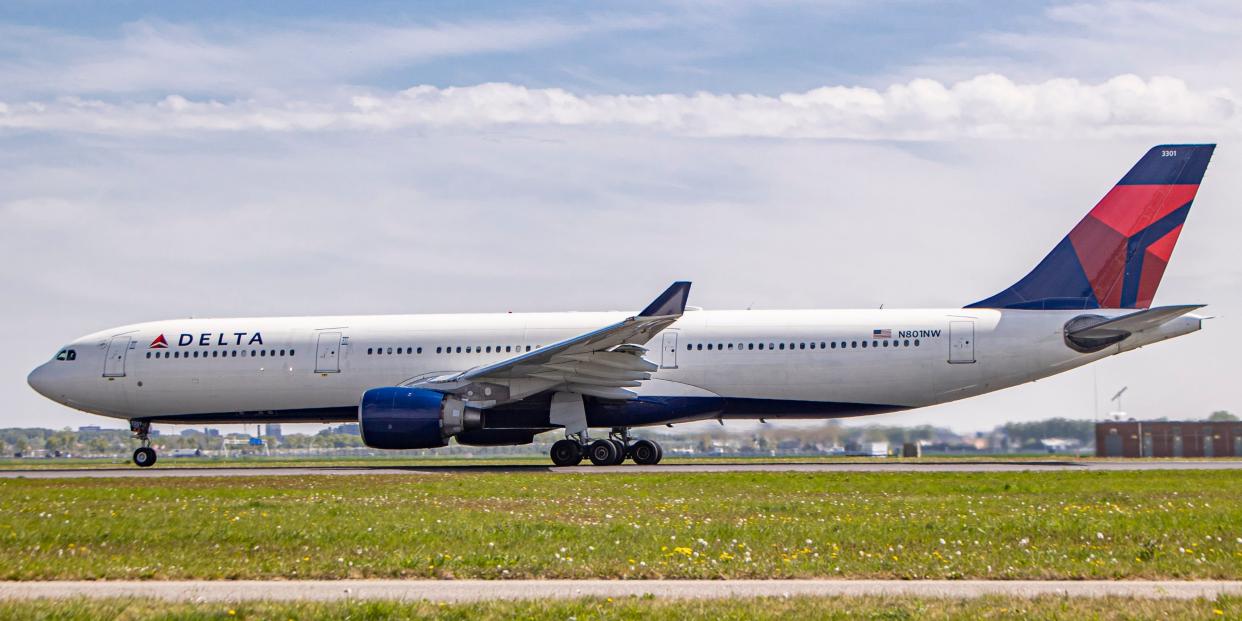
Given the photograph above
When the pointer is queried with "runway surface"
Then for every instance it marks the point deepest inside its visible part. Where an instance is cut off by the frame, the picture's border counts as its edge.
(474, 590)
(928, 466)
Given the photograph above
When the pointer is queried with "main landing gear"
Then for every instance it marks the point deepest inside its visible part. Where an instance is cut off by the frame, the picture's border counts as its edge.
(144, 456)
(612, 451)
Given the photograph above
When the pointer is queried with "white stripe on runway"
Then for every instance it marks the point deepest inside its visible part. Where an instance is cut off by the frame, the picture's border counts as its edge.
(473, 590)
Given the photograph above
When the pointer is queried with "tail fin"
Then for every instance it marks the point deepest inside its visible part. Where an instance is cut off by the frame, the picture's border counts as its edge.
(1115, 257)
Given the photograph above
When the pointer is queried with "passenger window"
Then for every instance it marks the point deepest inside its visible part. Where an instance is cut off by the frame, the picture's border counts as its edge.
(420, 350)
(709, 347)
(699, 347)
(854, 344)
(390, 351)
(148, 354)
(906, 343)
(459, 349)
(528, 348)
(263, 352)
(508, 349)
(176, 354)
(750, 346)
(916, 342)
(812, 344)
(801, 345)
(730, 345)
(234, 354)
(782, 346)
(689, 347)
(834, 344)
(823, 345)
(282, 352)
(761, 347)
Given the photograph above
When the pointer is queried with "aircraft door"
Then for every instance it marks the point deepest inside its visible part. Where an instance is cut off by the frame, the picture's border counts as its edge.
(328, 353)
(114, 363)
(961, 342)
(668, 354)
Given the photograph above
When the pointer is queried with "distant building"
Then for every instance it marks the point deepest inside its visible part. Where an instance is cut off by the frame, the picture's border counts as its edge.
(1168, 439)
(274, 431)
(90, 429)
(189, 433)
(346, 429)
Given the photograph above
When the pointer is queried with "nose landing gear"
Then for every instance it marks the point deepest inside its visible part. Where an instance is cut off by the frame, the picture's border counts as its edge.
(144, 456)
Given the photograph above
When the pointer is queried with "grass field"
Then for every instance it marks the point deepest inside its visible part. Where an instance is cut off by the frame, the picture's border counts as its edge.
(889, 608)
(1153, 524)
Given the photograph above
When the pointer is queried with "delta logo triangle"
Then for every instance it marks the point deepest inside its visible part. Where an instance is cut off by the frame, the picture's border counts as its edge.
(159, 343)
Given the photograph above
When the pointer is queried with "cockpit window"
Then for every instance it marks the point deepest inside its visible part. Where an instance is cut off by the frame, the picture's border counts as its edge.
(66, 354)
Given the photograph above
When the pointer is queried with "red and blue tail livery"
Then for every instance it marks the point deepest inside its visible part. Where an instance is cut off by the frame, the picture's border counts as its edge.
(1116, 255)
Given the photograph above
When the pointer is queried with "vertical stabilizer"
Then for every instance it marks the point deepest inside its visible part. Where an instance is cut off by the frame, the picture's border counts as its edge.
(1116, 255)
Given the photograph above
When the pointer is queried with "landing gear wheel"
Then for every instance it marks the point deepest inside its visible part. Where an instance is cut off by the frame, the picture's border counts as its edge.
(621, 452)
(566, 453)
(645, 453)
(144, 457)
(603, 453)
(659, 453)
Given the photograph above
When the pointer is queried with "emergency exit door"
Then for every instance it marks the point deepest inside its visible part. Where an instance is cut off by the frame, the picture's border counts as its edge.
(961, 342)
(114, 364)
(668, 356)
(328, 353)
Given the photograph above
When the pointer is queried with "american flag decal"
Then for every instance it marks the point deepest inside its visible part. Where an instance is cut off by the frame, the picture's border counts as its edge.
(882, 334)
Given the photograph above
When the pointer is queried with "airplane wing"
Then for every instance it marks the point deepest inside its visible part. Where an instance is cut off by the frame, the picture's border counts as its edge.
(1126, 325)
(600, 363)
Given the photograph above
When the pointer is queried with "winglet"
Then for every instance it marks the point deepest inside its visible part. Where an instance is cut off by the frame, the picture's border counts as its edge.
(671, 302)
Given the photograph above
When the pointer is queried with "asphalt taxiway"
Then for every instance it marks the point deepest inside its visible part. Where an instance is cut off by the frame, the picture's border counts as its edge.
(476, 590)
(724, 466)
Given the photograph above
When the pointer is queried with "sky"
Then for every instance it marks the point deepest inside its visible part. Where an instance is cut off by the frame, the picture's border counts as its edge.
(164, 159)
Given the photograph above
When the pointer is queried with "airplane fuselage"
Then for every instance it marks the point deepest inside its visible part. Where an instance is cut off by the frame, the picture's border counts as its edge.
(729, 364)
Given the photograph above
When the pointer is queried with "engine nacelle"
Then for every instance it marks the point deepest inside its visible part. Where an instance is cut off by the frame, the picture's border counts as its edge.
(393, 417)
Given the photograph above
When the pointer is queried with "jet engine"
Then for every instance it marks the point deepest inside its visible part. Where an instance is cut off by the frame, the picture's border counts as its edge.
(394, 417)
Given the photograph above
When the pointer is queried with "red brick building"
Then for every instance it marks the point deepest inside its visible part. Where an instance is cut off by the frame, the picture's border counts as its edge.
(1168, 439)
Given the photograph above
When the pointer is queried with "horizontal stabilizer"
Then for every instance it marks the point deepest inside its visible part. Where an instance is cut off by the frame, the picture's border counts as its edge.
(1126, 325)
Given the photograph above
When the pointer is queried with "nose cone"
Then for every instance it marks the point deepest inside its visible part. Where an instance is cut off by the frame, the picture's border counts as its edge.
(40, 380)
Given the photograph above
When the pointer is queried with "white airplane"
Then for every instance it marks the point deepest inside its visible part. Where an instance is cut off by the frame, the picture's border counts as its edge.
(419, 381)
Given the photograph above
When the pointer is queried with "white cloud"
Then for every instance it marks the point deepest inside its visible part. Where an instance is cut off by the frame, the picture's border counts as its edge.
(157, 56)
(986, 106)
